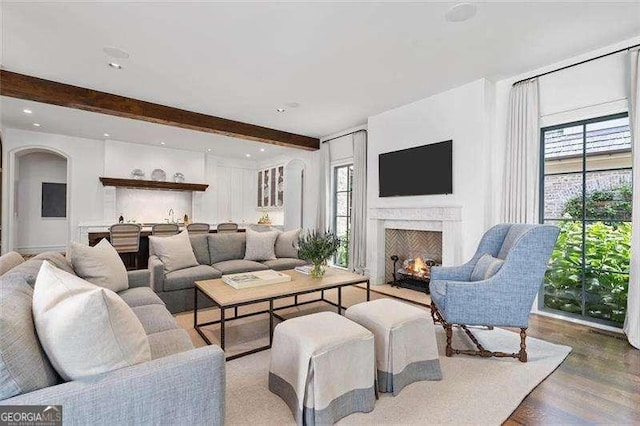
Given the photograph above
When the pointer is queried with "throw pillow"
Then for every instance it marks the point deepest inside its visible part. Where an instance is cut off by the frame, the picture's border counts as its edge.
(174, 252)
(85, 329)
(486, 267)
(260, 245)
(24, 366)
(287, 244)
(100, 265)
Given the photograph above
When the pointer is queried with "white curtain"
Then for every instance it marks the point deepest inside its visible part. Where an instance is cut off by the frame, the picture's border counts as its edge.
(324, 188)
(632, 319)
(357, 241)
(520, 187)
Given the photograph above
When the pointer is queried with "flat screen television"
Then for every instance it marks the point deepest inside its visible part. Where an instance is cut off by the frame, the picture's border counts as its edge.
(422, 170)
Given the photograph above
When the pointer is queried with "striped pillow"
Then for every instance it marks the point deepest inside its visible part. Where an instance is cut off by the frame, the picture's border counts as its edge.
(486, 267)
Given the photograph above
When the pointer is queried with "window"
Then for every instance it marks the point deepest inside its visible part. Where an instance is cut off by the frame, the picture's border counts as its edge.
(585, 189)
(342, 184)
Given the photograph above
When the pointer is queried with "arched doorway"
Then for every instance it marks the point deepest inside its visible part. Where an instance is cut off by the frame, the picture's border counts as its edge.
(38, 216)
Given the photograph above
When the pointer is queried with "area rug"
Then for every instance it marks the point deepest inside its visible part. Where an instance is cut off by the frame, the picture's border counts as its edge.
(473, 390)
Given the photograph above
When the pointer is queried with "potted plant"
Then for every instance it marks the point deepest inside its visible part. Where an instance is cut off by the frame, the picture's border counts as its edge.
(317, 248)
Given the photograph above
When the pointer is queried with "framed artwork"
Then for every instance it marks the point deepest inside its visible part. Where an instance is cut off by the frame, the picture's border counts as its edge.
(54, 200)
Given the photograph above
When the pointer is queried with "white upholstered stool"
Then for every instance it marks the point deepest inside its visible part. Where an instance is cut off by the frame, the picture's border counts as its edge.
(406, 348)
(323, 367)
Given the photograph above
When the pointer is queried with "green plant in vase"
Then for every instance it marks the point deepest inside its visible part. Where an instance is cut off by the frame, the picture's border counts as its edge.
(317, 248)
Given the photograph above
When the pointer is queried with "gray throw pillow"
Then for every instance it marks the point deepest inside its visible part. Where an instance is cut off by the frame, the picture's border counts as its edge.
(287, 244)
(174, 252)
(100, 265)
(486, 267)
(24, 366)
(260, 245)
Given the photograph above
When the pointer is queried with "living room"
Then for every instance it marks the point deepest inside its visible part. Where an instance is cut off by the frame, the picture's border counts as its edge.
(404, 136)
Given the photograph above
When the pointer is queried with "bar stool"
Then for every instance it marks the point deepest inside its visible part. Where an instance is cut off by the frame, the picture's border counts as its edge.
(125, 238)
(198, 228)
(164, 229)
(227, 227)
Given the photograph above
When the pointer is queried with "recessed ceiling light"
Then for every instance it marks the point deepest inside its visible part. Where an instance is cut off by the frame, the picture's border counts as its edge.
(115, 52)
(115, 65)
(106, 135)
(261, 149)
(209, 149)
(27, 111)
(36, 124)
(247, 155)
(161, 143)
(461, 12)
(280, 109)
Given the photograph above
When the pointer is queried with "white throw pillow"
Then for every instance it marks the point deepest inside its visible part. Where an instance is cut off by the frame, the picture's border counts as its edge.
(100, 265)
(175, 251)
(85, 329)
(260, 245)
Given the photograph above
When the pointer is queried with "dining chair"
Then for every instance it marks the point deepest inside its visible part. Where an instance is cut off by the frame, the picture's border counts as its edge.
(164, 229)
(125, 238)
(227, 227)
(198, 228)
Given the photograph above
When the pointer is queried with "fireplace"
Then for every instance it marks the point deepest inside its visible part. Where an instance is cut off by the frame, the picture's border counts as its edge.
(410, 255)
(441, 225)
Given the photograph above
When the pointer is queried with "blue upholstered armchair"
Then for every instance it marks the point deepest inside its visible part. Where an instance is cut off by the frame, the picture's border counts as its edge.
(496, 287)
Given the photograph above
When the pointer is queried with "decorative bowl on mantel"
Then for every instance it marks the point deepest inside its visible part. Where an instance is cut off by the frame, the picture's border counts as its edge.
(137, 174)
(158, 175)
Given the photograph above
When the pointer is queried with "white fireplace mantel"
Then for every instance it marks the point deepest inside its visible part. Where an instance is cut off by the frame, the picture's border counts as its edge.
(438, 214)
(445, 219)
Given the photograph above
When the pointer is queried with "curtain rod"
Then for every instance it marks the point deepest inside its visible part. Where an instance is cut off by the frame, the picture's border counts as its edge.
(577, 63)
(346, 134)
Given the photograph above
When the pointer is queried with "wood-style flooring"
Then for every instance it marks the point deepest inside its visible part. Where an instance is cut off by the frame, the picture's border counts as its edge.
(598, 383)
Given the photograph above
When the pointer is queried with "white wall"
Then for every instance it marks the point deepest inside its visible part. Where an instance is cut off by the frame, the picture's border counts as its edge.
(464, 115)
(121, 158)
(35, 233)
(85, 159)
(232, 193)
(152, 206)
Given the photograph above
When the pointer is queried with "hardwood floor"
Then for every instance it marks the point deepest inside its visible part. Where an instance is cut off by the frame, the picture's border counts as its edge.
(598, 383)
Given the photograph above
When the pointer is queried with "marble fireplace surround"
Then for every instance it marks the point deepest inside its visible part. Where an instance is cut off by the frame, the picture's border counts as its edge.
(446, 219)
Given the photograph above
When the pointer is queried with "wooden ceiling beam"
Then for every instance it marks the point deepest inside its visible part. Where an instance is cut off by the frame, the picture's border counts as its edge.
(30, 88)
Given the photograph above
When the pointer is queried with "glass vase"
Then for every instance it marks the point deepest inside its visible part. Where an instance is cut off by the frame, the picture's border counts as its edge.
(318, 270)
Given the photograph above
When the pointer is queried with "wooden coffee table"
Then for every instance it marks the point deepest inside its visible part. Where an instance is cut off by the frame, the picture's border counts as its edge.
(224, 297)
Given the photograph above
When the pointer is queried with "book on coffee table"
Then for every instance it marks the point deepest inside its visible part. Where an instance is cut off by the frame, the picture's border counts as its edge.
(255, 279)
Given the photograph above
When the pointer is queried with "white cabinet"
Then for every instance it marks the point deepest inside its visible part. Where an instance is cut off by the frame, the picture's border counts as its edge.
(271, 187)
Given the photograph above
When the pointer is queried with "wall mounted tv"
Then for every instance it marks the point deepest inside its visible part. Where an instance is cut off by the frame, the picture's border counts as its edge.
(422, 170)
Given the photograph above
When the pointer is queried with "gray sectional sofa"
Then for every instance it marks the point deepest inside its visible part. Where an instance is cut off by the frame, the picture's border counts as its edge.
(217, 255)
(180, 385)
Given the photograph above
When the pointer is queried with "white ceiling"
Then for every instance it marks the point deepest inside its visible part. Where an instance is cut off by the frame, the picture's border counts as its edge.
(342, 62)
(91, 125)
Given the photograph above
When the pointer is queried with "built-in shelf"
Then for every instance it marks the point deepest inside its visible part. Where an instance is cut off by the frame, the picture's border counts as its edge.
(152, 184)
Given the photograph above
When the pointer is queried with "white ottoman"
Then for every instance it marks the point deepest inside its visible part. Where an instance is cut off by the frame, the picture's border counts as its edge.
(323, 367)
(406, 348)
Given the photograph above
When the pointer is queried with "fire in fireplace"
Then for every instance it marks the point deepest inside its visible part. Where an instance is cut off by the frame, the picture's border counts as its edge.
(415, 273)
